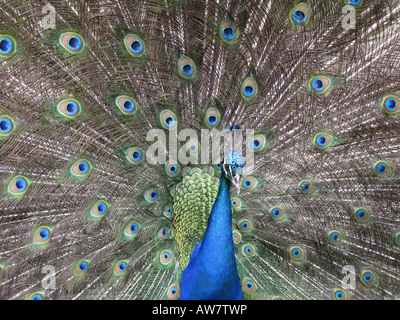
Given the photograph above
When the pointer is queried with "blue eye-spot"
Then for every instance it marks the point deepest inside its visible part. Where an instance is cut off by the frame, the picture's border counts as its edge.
(334, 236)
(164, 231)
(249, 284)
(305, 186)
(83, 167)
(169, 122)
(72, 108)
(37, 297)
(166, 255)
(390, 104)
(134, 227)
(44, 234)
(354, 2)
(83, 266)
(154, 195)
(361, 214)
(255, 144)
(339, 294)
(20, 184)
(244, 225)
(321, 140)
(234, 203)
(380, 168)
(235, 235)
(136, 46)
(5, 125)
(317, 84)
(296, 252)
(129, 105)
(122, 266)
(6, 45)
(248, 249)
(367, 277)
(218, 166)
(276, 212)
(74, 43)
(101, 207)
(187, 69)
(136, 155)
(299, 16)
(193, 148)
(212, 120)
(173, 291)
(228, 33)
(247, 183)
(248, 91)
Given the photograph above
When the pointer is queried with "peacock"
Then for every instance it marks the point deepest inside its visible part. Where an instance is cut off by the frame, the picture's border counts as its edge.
(107, 108)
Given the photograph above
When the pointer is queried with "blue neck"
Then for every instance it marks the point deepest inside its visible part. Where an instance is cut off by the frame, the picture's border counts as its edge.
(212, 271)
(219, 229)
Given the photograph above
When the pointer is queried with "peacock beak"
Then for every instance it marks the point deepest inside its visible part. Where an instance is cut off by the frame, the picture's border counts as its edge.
(236, 182)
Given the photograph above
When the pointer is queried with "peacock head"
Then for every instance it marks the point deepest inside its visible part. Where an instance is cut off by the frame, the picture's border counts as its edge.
(232, 165)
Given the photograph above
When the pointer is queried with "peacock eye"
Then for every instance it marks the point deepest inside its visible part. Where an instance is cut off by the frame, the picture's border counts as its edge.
(168, 119)
(167, 211)
(248, 250)
(131, 229)
(99, 209)
(320, 84)
(383, 169)
(229, 31)
(174, 292)
(186, 68)
(151, 195)
(339, 294)
(335, 237)
(391, 104)
(249, 183)
(165, 257)
(72, 42)
(396, 237)
(41, 236)
(81, 267)
(353, 2)
(237, 237)
(362, 215)
(277, 214)
(7, 46)
(6, 126)
(120, 268)
(134, 155)
(163, 233)
(297, 254)
(323, 140)
(126, 105)
(135, 45)
(245, 225)
(249, 89)
(368, 278)
(249, 286)
(213, 117)
(300, 14)
(172, 169)
(69, 108)
(37, 296)
(18, 186)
